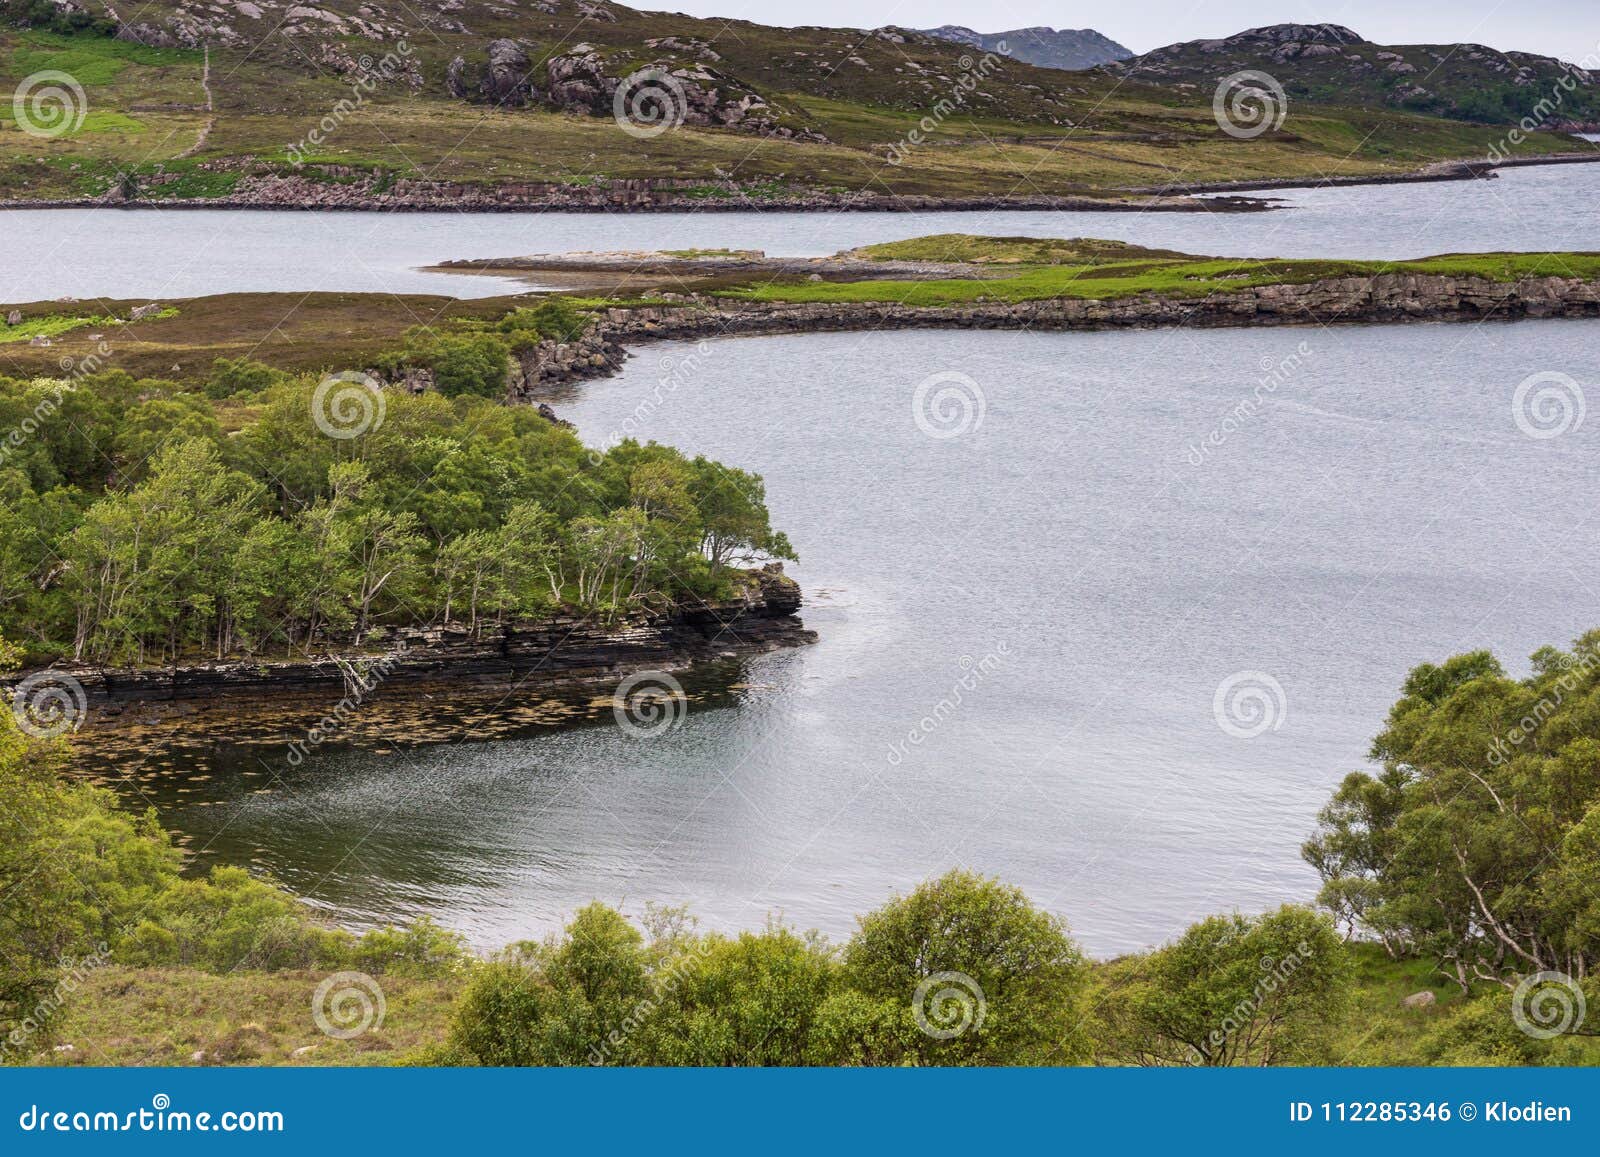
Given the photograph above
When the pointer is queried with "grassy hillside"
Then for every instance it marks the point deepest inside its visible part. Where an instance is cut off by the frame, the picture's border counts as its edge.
(1328, 63)
(372, 104)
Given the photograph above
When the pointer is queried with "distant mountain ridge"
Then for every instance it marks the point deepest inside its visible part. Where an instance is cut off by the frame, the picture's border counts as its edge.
(1332, 64)
(1073, 49)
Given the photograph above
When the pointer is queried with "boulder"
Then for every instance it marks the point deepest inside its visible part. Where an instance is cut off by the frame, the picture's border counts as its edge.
(506, 80)
(1419, 999)
(455, 79)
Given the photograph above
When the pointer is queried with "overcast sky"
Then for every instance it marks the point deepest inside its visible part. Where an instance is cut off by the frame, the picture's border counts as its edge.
(1569, 29)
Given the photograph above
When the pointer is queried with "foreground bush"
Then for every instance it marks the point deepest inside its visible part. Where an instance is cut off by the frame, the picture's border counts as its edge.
(964, 970)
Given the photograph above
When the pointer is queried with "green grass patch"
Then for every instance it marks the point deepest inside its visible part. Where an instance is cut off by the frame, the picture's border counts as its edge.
(50, 327)
(1150, 272)
(92, 60)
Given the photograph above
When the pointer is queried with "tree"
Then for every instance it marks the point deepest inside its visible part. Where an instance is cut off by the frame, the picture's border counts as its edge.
(753, 999)
(1476, 844)
(560, 1003)
(475, 365)
(734, 521)
(1231, 990)
(964, 970)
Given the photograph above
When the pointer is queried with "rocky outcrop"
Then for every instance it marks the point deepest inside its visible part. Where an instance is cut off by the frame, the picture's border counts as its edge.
(506, 76)
(1067, 48)
(1397, 297)
(562, 651)
(662, 92)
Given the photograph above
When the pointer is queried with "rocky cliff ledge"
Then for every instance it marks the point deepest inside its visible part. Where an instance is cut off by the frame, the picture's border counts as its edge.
(1382, 298)
(562, 651)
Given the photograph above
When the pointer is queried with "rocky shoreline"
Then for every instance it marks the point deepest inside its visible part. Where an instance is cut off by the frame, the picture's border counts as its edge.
(1398, 297)
(1486, 169)
(359, 193)
(302, 194)
(534, 659)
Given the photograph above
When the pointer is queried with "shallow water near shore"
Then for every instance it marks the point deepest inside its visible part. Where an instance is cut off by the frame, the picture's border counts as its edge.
(1024, 628)
(51, 253)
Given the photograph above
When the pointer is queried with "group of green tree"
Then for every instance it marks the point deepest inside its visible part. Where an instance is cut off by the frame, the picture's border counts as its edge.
(1471, 858)
(1478, 843)
(136, 526)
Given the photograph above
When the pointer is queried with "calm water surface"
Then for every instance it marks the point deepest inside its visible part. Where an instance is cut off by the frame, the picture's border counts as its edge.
(1094, 576)
(183, 253)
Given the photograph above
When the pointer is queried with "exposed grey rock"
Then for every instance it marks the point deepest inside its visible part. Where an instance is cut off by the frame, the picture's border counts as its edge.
(1419, 999)
(455, 79)
(505, 81)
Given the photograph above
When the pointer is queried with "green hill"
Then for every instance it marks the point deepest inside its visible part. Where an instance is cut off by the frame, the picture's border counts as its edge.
(349, 103)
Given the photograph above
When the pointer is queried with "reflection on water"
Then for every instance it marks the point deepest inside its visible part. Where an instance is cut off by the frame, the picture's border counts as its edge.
(1078, 550)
